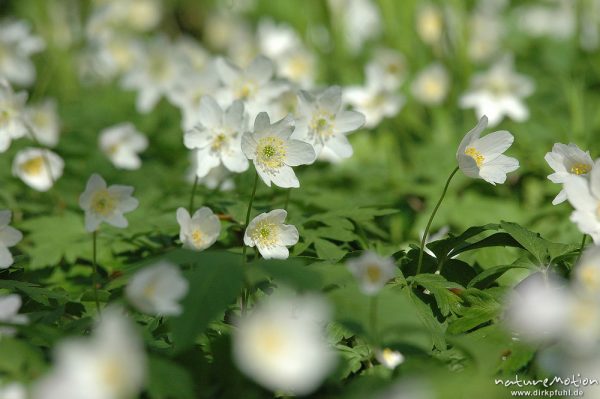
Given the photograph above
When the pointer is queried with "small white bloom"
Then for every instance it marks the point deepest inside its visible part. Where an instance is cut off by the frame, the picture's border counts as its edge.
(268, 233)
(567, 160)
(157, 289)
(430, 24)
(9, 313)
(111, 364)
(372, 271)
(584, 195)
(558, 20)
(361, 21)
(281, 344)
(218, 137)
(587, 271)
(199, 231)
(12, 113)
(274, 152)
(38, 168)
(389, 66)
(121, 144)
(43, 120)
(582, 326)
(431, 85)
(499, 93)
(486, 32)
(323, 123)
(13, 391)
(17, 44)
(106, 204)
(9, 237)
(389, 358)
(218, 178)
(483, 157)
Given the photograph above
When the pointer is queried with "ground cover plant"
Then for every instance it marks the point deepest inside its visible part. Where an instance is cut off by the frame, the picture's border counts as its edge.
(342, 198)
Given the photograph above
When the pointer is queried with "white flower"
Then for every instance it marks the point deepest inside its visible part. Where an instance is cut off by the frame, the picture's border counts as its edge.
(43, 120)
(106, 204)
(389, 66)
(431, 85)
(361, 21)
(482, 157)
(12, 108)
(567, 160)
(122, 16)
(199, 231)
(17, 44)
(274, 152)
(9, 313)
(582, 325)
(584, 195)
(485, 36)
(111, 364)
(557, 21)
(268, 233)
(9, 237)
(281, 344)
(498, 93)
(157, 289)
(121, 144)
(13, 391)
(430, 24)
(587, 272)
(323, 123)
(218, 137)
(218, 178)
(38, 168)
(372, 271)
(389, 358)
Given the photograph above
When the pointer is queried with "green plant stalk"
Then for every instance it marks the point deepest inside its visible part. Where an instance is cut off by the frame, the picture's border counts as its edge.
(246, 290)
(426, 233)
(580, 249)
(287, 199)
(373, 310)
(194, 187)
(95, 265)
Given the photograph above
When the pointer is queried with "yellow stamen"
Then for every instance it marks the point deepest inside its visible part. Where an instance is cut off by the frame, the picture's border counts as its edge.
(33, 166)
(265, 234)
(271, 340)
(322, 124)
(476, 155)
(590, 276)
(580, 168)
(373, 274)
(271, 152)
(219, 142)
(103, 202)
(197, 237)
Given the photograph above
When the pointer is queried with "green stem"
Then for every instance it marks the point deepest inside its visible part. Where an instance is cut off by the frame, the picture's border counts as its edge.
(246, 290)
(194, 187)
(95, 265)
(373, 317)
(580, 249)
(287, 199)
(426, 233)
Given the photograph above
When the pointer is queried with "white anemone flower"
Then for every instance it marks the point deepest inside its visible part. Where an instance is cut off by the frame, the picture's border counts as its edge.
(38, 168)
(323, 123)
(389, 66)
(482, 157)
(199, 231)
(44, 123)
(121, 144)
(111, 364)
(9, 237)
(584, 195)
(587, 272)
(157, 289)
(106, 204)
(17, 44)
(13, 390)
(361, 20)
(431, 85)
(268, 233)
(567, 160)
(217, 137)
(498, 93)
(430, 24)
(389, 358)
(274, 152)
(12, 115)
(372, 271)
(9, 313)
(282, 344)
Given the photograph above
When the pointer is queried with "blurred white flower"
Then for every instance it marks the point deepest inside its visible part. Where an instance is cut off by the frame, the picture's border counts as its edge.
(217, 137)
(360, 20)
(9, 237)
(38, 168)
(115, 55)
(43, 120)
(124, 16)
(106, 204)
(567, 160)
(582, 325)
(17, 44)
(389, 66)
(587, 272)
(323, 123)
(13, 390)
(482, 157)
(9, 313)
(584, 195)
(556, 20)
(199, 231)
(111, 364)
(196, 57)
(218, 178)
(389, 358)
(372, 271)
(298, 66)
(157, 289)
(12, 115)
(431, 84)
(430, 24)
(268, 233)
(485, 35)
(498, 93)
(121, 144)
(282, 345)
(274, 153)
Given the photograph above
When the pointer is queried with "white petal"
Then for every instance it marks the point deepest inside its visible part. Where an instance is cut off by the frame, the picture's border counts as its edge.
(235, 161)
(6, 259)
(493, 144)
(147, 100)
(5, 217)
(183, 218)
(289, 235)
(227, 72)
(348, 121)
(340, 145)
(578, 194)
(595, 180)
(560, 198)
(249, 145)
(206, 160)
(260, 70)
(496, 170)
(210, 114)
(471, 136)
(9, 236)
(274, 252)
(285, 177)
(299, 153)
(331, 99)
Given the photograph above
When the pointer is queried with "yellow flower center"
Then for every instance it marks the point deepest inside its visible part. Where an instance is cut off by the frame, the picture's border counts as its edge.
(373, 274)
(150, 289)
(103, 202)
(580, 168)
(197, 237)
(271, 340)
(265, 234)
(388, 355)
(246, 90)
(41, 119)
(271, 152)
(112, 373)
(4, 117)
(112, 149)
(476, 155)
(33, 166)
(584, 315)
(589, 276)
(219, 141)
(322, 125)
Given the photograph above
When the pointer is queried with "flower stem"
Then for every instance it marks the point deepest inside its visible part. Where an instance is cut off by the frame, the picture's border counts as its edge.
(246, 289)
(194, 187)
(580, 249)
(426, 233)
(373, 317)
(287, 199)
(95, 265)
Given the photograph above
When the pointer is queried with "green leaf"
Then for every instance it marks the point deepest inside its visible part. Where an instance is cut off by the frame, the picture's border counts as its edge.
(168, 380)
(543, 250)
(328, 251)
(479, 307)
(292, 272)
(440, 288)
